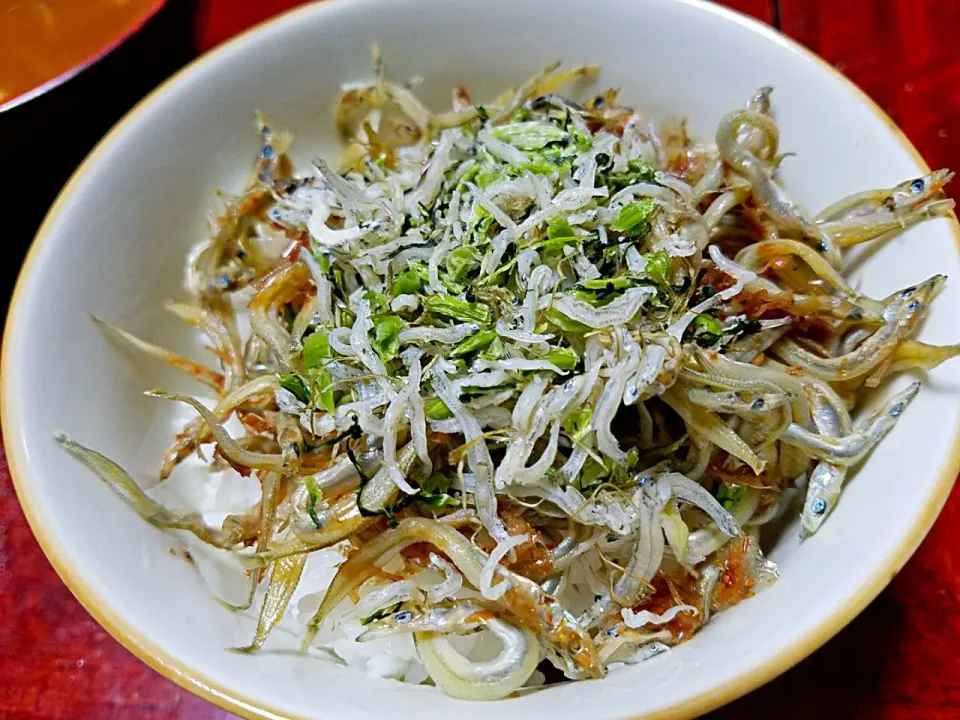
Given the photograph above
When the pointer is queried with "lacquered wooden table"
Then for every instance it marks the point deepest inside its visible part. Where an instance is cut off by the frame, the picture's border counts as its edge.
(899, 659)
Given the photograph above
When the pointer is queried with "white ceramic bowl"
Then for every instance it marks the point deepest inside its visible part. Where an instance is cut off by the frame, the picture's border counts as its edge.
(114, 244)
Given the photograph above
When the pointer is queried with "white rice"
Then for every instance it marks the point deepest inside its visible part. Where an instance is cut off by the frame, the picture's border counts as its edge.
(218, 494)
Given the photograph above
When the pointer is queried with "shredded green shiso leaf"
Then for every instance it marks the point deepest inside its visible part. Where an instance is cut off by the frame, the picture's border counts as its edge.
(520, 239)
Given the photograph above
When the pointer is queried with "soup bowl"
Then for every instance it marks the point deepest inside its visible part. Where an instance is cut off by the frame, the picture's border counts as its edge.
(114, 245)
(47, 43)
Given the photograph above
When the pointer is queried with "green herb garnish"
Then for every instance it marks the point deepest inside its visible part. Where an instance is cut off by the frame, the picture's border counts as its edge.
(564, 358)
(386, 328)
(475, 342)
(632, 218)
(295, 384)
(458, 309)
(316, 349)
(658, 265)
(407, 283)
(730, 495)
(532, 135)
(436, 409)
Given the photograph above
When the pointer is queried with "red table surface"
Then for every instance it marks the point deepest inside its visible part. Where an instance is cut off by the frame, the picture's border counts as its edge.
(899, 659)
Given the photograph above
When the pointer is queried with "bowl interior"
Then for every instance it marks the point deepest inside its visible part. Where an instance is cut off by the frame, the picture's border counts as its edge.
(115, 243)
